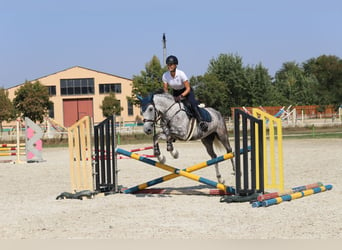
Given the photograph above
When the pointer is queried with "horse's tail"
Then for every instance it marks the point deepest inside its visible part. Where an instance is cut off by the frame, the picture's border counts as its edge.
(218, 146)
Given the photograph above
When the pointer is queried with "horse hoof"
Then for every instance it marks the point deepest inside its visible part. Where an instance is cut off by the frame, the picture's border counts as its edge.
(162, 159)
(220, 181)
(175, 154)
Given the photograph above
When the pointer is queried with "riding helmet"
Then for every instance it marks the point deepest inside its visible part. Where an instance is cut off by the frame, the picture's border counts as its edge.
(171, 60)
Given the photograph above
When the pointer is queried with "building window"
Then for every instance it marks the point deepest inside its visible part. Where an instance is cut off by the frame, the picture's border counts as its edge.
(51, 110)
(82, 86)
(129, 108)
(109, 87)
(51, 90)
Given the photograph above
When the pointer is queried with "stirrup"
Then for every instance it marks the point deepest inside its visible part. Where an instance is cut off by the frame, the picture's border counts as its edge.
(204, 126)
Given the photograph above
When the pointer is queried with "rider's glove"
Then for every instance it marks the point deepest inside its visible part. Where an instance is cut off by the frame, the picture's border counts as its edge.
(178, 98)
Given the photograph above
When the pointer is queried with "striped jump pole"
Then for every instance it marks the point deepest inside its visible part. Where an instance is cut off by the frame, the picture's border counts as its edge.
(12, 145)
(189, 170)
(178, 172)
(181, 191)
(137, 150)
(173, 175)
(10, 153)
(141, 149)
(120, 157)
(104, 153)
(274, 195)
(10, 148)
(14, 149)
(293, 196)
(291, 191)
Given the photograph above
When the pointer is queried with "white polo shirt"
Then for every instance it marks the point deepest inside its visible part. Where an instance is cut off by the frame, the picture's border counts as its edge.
(176, 82)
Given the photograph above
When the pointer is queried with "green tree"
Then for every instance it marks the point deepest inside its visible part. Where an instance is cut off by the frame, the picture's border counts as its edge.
(149, 79)
(7, 112)
(296, 87)
(230, 84)
(258, 89)
(210, 91)
(32, 101)
(328, 72)
(228, 69)
(285, 79)
(110, 105)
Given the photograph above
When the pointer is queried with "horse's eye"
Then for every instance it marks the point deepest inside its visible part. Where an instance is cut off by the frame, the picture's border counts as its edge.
(150, 109)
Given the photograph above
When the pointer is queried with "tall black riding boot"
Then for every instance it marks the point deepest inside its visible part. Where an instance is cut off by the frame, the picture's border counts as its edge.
(203, 125)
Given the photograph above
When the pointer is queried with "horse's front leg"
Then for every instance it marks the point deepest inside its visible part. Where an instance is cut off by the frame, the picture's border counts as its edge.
(171, 149)
(169, 140)
(169, 146)
(156, 149)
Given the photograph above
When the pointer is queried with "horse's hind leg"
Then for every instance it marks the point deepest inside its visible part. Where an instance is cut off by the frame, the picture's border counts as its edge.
(208, 142)
(224, 139)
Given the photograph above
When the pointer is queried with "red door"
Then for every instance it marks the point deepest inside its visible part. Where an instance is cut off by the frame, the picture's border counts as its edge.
(75, 109)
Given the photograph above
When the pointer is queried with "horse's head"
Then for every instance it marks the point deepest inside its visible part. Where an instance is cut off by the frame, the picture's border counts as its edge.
(153, 106)
(149, 113)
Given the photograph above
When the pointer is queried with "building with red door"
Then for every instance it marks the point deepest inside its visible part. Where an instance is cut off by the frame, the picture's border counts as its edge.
(77, 91)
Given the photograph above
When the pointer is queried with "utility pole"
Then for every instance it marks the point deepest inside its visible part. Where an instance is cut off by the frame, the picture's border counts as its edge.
(164, 49)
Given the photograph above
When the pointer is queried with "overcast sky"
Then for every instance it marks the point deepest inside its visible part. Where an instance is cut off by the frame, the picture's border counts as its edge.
(41, 37)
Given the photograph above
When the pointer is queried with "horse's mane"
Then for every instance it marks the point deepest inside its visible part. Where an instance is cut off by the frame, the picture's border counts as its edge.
(144, 102)
(166, 95)
(161, 93)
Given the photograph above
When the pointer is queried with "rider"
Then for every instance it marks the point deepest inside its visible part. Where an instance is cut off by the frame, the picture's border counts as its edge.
(181, 89)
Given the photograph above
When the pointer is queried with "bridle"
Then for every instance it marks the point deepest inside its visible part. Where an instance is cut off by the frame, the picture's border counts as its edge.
(156, 116)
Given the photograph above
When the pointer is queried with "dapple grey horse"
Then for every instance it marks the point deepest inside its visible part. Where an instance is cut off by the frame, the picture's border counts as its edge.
(176, 124)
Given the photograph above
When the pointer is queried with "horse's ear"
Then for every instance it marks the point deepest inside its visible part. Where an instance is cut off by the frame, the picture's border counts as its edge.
(139, 98)
(150, 98)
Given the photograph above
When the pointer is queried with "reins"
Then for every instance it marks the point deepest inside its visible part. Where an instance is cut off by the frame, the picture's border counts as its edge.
(164, 114)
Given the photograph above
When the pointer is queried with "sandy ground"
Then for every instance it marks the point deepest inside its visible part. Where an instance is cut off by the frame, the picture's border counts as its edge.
(29, 209)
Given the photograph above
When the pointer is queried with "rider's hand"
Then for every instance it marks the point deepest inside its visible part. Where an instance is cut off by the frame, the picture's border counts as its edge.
(178, 98)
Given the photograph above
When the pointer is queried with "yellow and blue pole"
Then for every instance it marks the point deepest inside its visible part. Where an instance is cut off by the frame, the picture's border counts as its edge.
(178, 172)
(173, 175)
(189, 170)
(296, 195)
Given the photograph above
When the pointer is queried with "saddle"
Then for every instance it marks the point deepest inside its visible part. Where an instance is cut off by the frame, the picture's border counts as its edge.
(188, 110)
